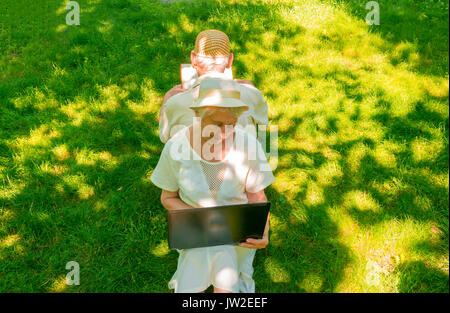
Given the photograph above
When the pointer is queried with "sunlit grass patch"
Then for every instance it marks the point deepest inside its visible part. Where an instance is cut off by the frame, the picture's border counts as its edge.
(329, 174)
(11, 245)
(77, 183)
(276, 272)
(311, 283)
(361, 200)
(314, 195)
(61, 152)
(425, 150)
(293, 181)
(355, 156)
(58, 285)
(382, 253)
(384, 154)
(437, 88)
(9, 241)
(161, 250)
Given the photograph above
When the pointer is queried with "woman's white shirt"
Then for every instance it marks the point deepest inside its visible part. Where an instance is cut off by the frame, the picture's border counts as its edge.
(245, 169)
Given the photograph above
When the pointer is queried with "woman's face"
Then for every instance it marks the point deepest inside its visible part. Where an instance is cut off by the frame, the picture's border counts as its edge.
(220, 118)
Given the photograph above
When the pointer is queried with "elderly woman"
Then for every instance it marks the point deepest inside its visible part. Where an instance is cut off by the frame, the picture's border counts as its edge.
(213, 163)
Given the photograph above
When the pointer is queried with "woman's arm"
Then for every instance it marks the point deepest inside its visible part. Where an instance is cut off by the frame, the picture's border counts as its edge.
(172, 92)
(259, 196)
(244, 81)
(171, 201)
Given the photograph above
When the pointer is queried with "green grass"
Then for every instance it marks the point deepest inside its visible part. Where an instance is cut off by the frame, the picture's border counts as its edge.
(361, 198)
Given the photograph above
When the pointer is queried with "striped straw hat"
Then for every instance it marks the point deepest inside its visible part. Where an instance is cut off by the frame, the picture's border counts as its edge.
(219, 92)
(212, 43)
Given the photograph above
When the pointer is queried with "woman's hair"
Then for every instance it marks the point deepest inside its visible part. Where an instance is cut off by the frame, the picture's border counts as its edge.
(208, 111)
(212, 64)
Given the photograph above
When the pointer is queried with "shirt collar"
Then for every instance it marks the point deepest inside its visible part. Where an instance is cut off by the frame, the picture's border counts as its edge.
(208, 75)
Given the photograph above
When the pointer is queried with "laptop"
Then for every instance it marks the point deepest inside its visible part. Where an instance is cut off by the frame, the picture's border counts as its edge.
(214, 226)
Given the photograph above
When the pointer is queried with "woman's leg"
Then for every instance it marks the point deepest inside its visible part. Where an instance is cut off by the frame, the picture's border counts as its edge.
(224, 268)
(218, 290)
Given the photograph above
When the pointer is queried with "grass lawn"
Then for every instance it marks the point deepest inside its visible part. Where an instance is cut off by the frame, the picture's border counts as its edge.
(361, 201)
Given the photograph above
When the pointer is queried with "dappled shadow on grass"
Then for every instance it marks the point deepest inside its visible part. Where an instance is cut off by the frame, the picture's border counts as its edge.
(414, 33)
(304, 254)
(418, 278)
(79, 142)
(93, 207)
(382, 148)
(418, 124)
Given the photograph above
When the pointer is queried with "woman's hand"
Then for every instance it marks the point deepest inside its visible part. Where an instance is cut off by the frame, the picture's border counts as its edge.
(171, 200)
(255, 243)
(252, 243)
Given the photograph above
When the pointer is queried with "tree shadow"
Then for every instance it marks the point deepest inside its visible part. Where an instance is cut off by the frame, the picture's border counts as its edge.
(407, 31)
(303, 255)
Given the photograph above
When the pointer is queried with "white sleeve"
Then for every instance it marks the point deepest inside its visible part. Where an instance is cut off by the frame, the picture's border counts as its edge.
(164, 125)
(259, 175)
(164, 175)
(260, 108)
(261, 111)
(173, 116)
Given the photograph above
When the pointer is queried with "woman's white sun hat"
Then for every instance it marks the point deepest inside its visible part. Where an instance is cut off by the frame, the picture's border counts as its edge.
(219, 92)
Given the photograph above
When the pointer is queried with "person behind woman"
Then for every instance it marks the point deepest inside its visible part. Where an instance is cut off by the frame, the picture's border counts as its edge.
(210, 57)
(213, 163)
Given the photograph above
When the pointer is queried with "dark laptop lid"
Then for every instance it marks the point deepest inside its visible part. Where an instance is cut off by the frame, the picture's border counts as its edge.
(213, 226)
